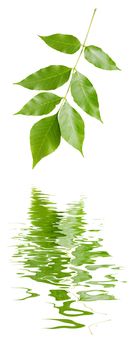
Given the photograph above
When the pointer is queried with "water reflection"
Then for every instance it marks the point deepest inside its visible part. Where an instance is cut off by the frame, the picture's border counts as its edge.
(65, 251)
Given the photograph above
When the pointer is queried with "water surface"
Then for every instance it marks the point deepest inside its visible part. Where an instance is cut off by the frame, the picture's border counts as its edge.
(63, 251)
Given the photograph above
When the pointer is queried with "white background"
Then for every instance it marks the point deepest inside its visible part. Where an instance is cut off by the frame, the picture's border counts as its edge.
(104, 174)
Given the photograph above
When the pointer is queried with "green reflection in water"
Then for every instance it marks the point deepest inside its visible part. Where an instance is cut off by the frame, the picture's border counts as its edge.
(63, 250)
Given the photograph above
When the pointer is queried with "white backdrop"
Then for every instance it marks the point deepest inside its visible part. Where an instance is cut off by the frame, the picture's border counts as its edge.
(104, 174)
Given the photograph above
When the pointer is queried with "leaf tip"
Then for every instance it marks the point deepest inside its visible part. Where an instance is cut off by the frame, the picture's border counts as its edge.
(99, 118)
(82, 153)
(33, 165)
(18, 83)
(15, 83)
(101, 121)
(117, 68)
(34, 162)
(41, 37)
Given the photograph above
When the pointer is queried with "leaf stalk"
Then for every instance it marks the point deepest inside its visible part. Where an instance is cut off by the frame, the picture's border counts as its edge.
(81, 51)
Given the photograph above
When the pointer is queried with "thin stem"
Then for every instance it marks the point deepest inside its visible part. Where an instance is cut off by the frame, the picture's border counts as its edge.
(82, 49)
(90, 26)
(84, 43)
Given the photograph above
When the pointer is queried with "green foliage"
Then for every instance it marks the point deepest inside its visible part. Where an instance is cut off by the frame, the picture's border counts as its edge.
(45, 135)
(99, 58)
(62, 42)
(42, 103)
(49, 78)
(85, 95)
(71, 126)
(44, 138)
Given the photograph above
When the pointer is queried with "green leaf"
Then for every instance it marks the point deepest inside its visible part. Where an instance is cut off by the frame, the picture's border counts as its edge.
(71, 126)
(85, 95)
(62, 42)
(44, 138)
(42, 103)
(99, 58)
(48, 78)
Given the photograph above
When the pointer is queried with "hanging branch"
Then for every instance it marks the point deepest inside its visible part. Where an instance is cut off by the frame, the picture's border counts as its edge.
(46, 134)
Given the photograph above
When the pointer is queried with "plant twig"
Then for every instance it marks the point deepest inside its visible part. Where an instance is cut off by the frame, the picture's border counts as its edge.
(82, 49)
